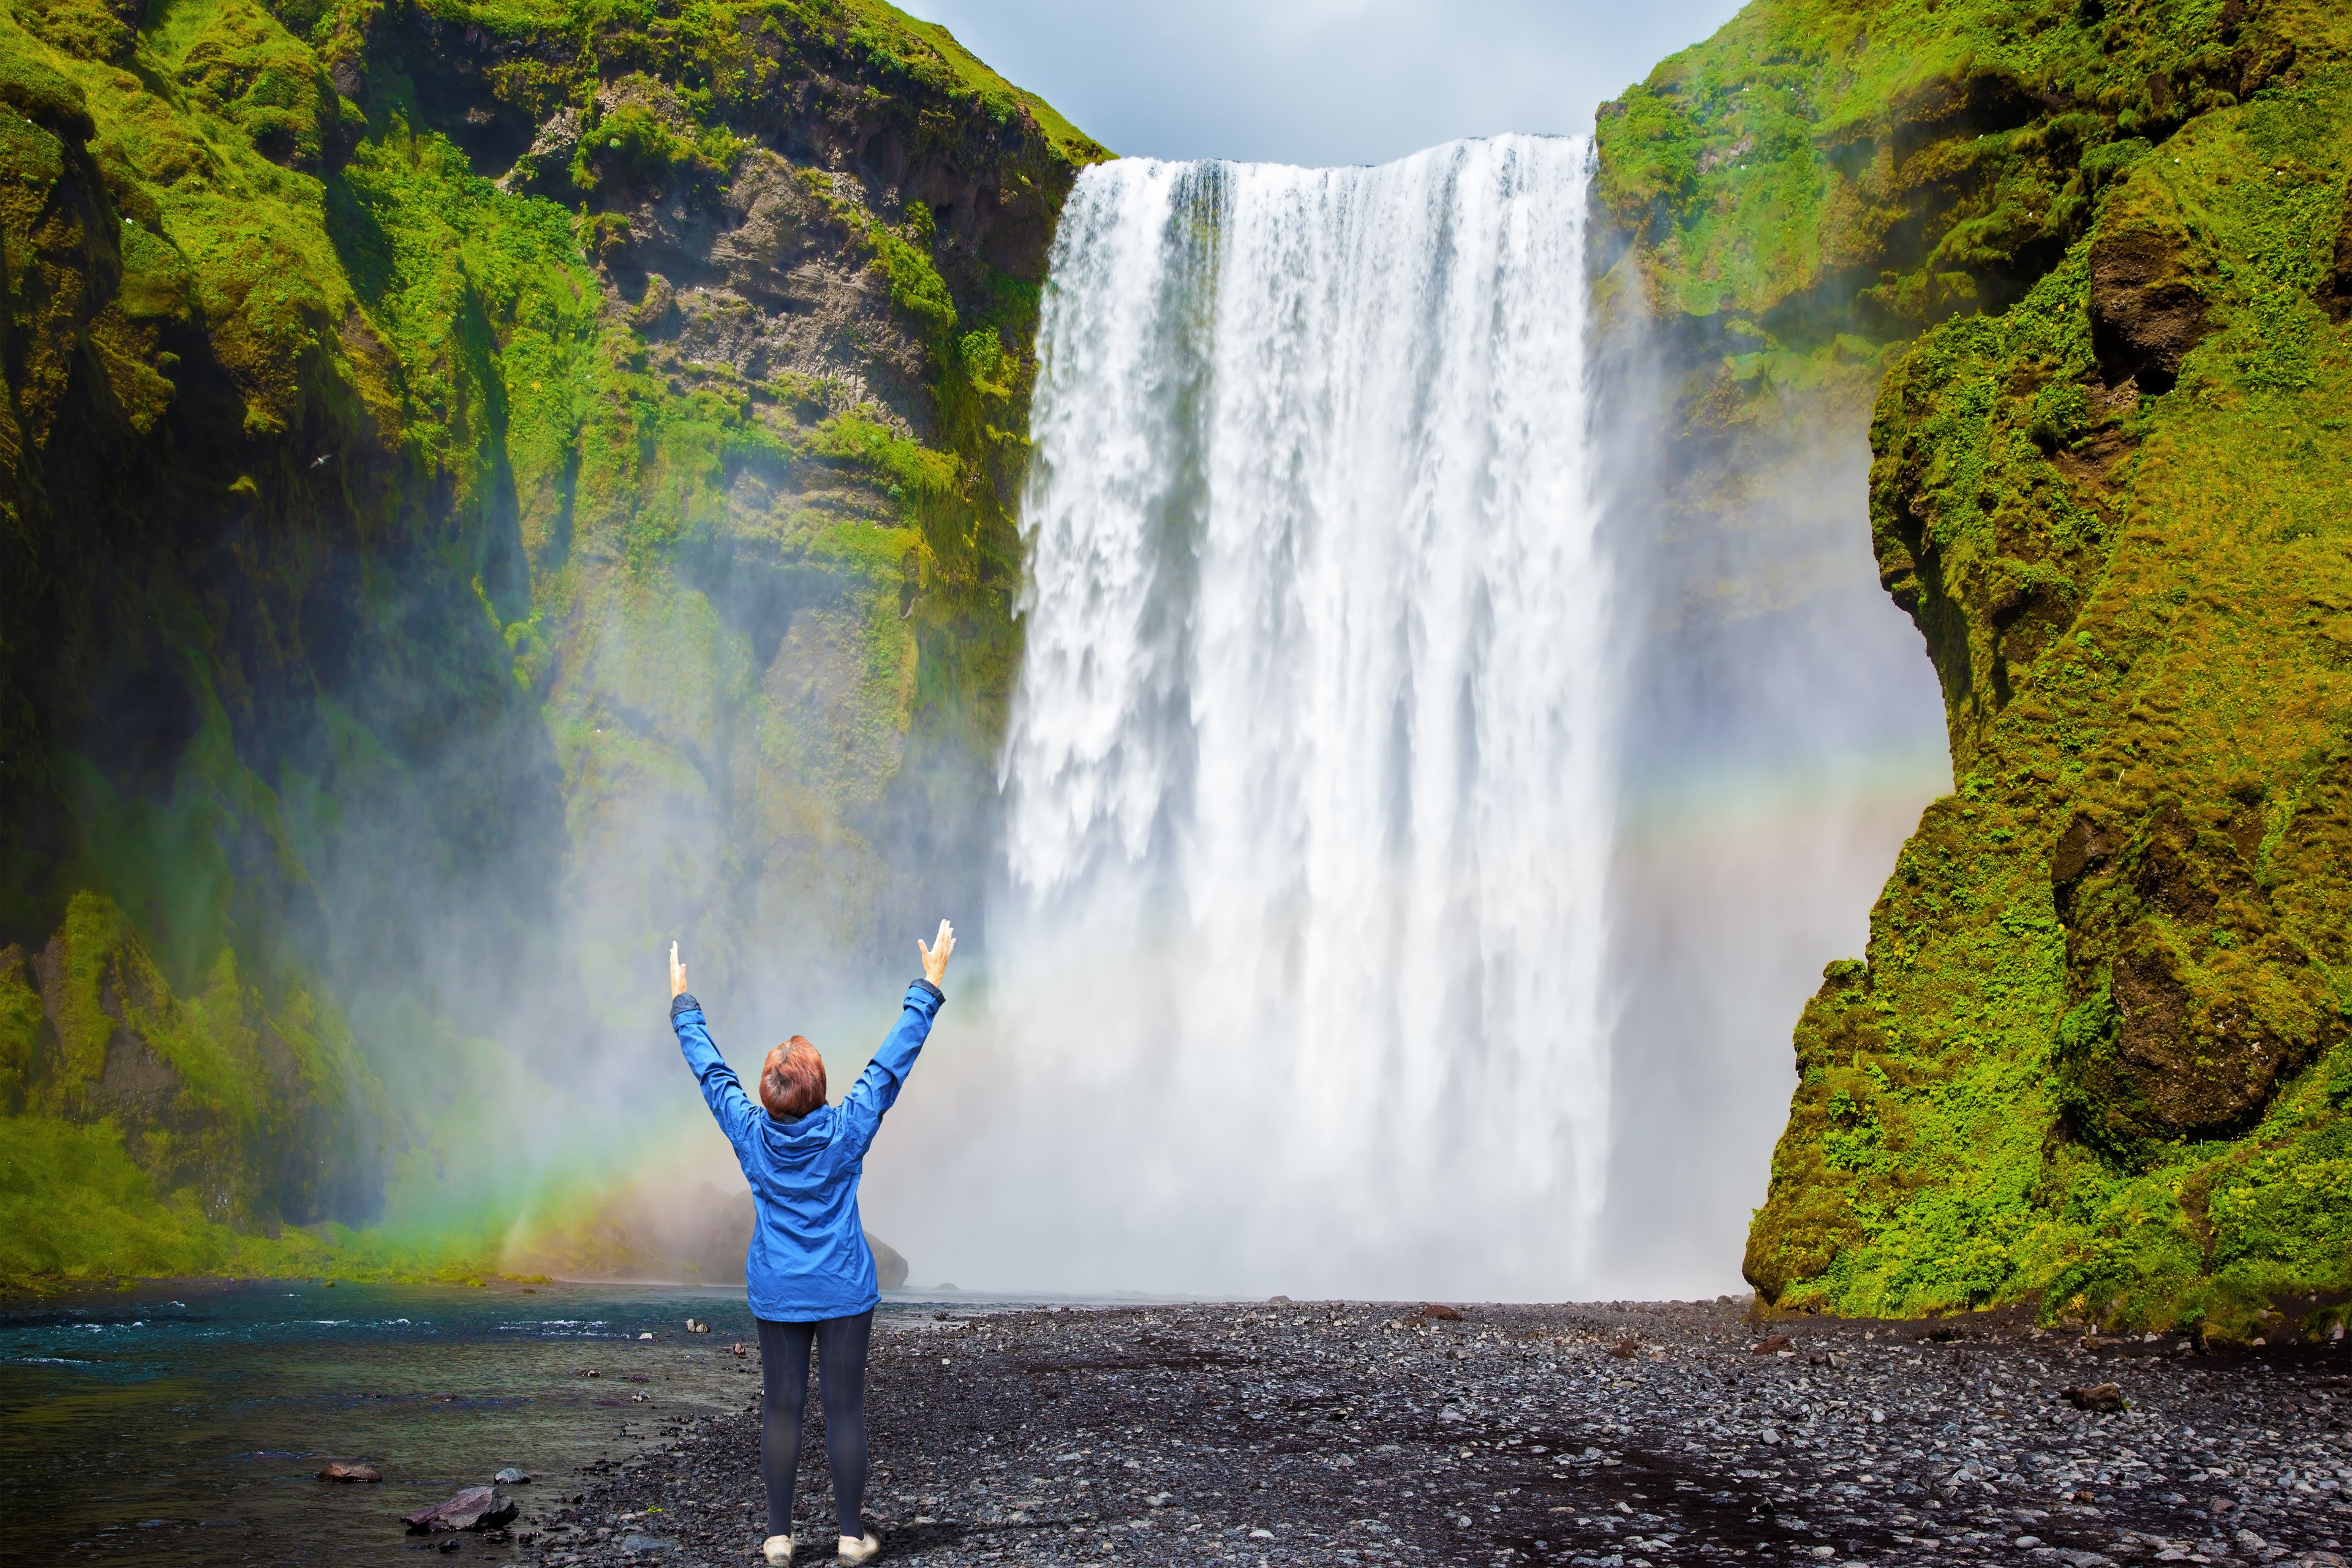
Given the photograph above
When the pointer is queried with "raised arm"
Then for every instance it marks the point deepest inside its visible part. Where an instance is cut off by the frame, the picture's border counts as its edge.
(721, 1090)
(877, 1087)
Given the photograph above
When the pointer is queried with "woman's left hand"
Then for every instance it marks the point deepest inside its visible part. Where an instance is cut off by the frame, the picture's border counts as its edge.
(935, 957)
(677, 974)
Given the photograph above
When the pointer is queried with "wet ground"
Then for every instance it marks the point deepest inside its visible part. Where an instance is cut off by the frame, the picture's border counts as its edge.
(1322, 1433)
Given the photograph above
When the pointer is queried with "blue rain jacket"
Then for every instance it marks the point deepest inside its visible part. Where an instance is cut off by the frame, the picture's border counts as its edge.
(808, 1259)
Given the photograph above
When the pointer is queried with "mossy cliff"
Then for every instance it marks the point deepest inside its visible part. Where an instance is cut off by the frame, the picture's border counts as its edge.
(480, 486)
(2093, 261)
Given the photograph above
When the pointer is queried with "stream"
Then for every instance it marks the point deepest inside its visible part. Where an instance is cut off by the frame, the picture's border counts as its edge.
(187, 1422)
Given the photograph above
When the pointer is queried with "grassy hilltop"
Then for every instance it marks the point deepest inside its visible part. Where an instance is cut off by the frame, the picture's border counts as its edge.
(467, 466)
(2092, 261)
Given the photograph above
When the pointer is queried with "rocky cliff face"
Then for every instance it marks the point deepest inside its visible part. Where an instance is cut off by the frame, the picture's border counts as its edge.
(483, 486)
(2087, 257)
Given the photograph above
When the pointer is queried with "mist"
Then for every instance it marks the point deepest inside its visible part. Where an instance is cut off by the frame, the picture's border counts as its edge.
(1531, 1043)
(1777, 754)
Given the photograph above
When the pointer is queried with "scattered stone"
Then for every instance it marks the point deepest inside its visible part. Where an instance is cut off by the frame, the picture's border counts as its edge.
(511, 1476)
(2106, 1399)
(1626, 1349)
(337, 1471)
(645, 1336)
(476, 1507)
(1151, 1437)
(694, 1327)
(1439, 1311)
(1772, 1344)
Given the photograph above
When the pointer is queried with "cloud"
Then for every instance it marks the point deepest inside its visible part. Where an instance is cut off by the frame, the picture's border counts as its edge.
(1322, 81)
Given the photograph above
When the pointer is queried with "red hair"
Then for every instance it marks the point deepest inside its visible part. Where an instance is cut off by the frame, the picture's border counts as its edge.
(791, 1082)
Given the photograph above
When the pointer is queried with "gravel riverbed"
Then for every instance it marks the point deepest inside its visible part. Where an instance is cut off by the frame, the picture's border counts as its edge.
(1613, 1434)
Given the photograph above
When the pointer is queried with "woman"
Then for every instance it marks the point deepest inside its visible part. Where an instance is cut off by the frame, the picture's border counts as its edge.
(810, 1273)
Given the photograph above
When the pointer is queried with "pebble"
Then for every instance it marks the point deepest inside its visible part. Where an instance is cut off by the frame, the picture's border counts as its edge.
(1325, 1434)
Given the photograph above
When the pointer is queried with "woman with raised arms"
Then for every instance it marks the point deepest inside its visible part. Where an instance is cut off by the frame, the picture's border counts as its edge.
(809, 1271)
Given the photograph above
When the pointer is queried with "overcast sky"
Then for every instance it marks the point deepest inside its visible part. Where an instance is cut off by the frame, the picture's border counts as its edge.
(1321, 81)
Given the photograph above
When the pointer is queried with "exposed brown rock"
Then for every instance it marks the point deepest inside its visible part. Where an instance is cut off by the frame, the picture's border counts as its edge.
(2335, 293)
(2204, 1060)
(2083, 847)
(2106, 1399)
(2146, 313)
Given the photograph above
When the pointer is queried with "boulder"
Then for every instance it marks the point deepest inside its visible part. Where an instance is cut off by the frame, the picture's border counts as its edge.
(889, 1265)
(476, 1507)
(512, 1476)
(2104, 1397)
(1442, 1312)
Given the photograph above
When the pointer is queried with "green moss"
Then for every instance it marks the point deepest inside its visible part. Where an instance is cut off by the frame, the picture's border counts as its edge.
(2090, 1060)
(634, 145)
(1908, 161)
(377, 471)
(20, 1026)
(907, 47)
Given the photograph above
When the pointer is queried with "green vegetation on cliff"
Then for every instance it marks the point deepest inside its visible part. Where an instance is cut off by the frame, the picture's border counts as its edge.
(477, 482)
(2096, 1054)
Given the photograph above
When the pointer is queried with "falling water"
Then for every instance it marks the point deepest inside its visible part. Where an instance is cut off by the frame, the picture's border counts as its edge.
(1307, 777)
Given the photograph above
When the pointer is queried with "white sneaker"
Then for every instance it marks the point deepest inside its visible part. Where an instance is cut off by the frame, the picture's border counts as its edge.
(852, 1549)
(777, 1549)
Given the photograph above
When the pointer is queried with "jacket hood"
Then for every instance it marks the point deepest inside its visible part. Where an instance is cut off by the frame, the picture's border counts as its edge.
(798, 1139)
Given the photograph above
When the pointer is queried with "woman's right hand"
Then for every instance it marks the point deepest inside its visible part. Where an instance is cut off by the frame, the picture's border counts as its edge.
(936, 956)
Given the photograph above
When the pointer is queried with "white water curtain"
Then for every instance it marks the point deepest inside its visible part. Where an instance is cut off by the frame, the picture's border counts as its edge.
(1296, 980)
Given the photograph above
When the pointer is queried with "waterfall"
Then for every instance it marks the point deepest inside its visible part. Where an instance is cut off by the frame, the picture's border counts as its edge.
(1297, 974)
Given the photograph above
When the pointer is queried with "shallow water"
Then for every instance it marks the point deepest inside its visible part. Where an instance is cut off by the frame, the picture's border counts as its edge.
(187, 1423)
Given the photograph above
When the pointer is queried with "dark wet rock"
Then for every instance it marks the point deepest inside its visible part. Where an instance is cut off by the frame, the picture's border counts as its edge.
(1772, 1344)
(1356, 1434)
(337, 1471)
(2334, 292)
(476, 1507)
(889, 1264)
(2103, 1397)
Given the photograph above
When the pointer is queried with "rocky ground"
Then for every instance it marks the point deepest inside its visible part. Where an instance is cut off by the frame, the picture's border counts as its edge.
(1618, 1434)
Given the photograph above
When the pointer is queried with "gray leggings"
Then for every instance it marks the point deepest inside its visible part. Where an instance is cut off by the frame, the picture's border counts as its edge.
(841, 1389)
